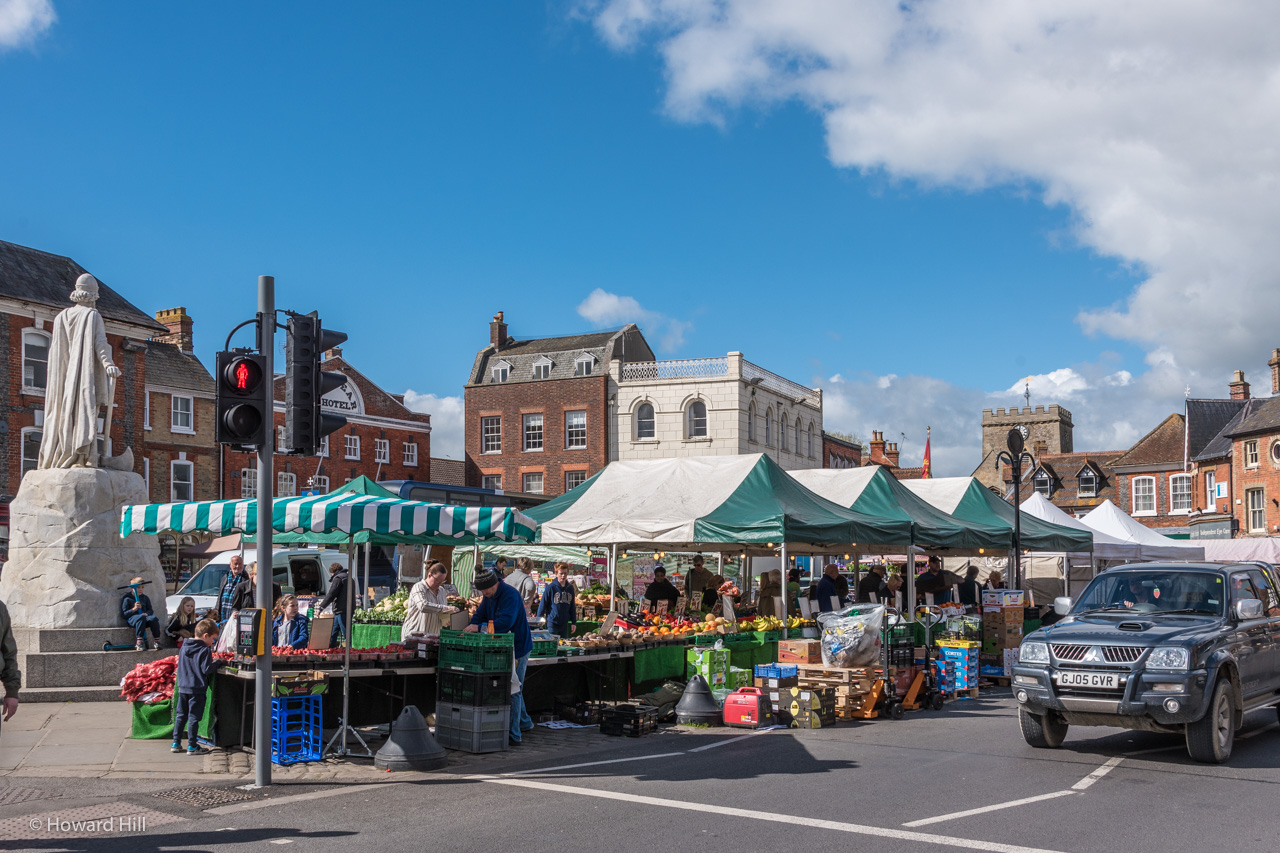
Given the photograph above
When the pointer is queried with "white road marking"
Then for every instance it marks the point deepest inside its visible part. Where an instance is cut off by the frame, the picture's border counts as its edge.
(280, 841)
(591, 764)
(1257, 732)
(772, 817)
(1083, 784)
(344, 791)
(723, 742)
(984, 809)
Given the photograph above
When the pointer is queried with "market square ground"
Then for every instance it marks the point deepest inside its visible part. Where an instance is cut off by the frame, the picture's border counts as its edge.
(961, 778)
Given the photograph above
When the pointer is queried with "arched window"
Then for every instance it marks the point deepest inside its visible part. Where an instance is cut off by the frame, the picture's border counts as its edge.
(751, 422)
(782, 431)
(697, 419)
(768, 428)
(808, 450)
(644, 421)
(35, 359)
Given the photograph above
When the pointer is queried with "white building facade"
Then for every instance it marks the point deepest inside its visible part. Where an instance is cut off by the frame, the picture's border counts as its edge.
(712, 407)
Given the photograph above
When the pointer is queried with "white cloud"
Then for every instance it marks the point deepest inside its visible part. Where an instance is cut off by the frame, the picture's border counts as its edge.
(1152, 122)
(447, 422)
(602, 308)
(23, 21)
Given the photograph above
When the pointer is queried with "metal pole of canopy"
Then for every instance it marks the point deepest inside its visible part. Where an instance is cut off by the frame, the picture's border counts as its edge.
(909, 605)
(613, 575)
(266, 573)
(783, 557)
(347, 631)
(367, 547)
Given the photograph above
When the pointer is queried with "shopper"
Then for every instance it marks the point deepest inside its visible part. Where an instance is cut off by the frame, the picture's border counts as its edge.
(793, 592)
(135, 607)
(711, 594)
(228, 589)
(339, 591)
(661, 590)
(931, 582)
(770, 591)
(195, 667)
(427, 603)
(289, 627)
(246, 594)
(183, 624)
(994, 581)
(872, 583)
(10, 677)
(828, 589)
(970, 590)
(559, 603)
(698, 579)
(520, 579)
(503, 606)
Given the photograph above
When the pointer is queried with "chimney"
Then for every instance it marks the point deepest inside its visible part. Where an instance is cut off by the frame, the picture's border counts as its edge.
(179, 326)
(891, 453)
(877, 446)
(1039, 447)
(334, 352)
(1275, 371)
(1240, 388)
(497, 332)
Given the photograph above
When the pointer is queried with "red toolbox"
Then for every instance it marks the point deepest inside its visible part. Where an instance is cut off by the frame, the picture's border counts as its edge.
(747, 708)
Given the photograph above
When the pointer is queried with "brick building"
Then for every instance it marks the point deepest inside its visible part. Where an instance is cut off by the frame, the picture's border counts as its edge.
(383, 440)
(34, 287)
(180, 454)
(840, 453)
(1254, 497)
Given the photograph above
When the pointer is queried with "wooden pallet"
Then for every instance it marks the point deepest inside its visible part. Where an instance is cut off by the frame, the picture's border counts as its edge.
(966, 693)
(864, 709)
(848, 681)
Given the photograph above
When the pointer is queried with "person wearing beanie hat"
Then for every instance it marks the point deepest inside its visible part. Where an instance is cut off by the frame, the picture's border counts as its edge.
(502, 605)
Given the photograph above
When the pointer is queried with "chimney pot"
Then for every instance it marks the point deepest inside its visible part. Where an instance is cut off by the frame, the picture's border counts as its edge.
(498, 332)
(1240, 389)
(179, 325)
(1274, 364)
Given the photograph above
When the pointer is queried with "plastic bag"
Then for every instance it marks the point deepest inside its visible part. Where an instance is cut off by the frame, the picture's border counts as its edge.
(851, 637)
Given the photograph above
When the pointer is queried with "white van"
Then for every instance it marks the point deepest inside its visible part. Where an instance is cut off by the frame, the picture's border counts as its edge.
(299, 571)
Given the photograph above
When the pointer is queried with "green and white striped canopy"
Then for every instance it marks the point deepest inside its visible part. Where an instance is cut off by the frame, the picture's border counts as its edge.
(342, 513)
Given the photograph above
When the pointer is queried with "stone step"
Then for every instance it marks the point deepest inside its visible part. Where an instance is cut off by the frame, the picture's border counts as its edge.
(71, 639)
(76, 669)
(103, 693)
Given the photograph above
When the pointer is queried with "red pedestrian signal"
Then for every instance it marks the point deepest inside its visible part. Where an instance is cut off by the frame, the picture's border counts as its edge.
(244, 409)
(242, 376)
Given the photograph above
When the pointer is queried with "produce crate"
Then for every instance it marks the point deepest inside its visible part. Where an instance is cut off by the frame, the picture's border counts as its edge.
(476, 652)
(707, 639)
(473, 689)
(544, 648)
(296, 727)
(472, 719)
(628, 720)
(303, 683)
(775, 670)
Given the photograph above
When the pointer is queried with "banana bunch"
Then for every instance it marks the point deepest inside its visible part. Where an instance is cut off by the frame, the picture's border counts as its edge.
(762, 623)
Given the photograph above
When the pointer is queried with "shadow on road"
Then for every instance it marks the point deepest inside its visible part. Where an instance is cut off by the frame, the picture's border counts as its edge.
(154, 842)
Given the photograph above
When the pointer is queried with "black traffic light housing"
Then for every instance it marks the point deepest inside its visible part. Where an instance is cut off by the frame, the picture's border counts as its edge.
(242, 399)
(305, 383)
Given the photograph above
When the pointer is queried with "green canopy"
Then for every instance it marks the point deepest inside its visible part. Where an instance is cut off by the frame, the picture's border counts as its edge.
(874, 492)
(361, 485)
(707, 502)
(968, 500)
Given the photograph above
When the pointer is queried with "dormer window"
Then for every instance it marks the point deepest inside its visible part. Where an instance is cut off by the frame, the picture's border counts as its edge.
(584, 364)
(1088, 487)
(542, 368)
(1043, 483)
(501, 371)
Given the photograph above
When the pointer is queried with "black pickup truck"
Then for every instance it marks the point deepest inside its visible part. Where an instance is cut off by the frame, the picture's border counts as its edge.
(1182, 647)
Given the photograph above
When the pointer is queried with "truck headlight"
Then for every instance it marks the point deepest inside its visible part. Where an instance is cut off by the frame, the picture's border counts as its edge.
(1169, 657)
(1034, 653)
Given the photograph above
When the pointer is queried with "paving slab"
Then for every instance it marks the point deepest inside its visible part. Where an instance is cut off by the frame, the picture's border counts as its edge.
(70, 755)
(20, 738)
(12, 756)
(67, 735)
(29, 718)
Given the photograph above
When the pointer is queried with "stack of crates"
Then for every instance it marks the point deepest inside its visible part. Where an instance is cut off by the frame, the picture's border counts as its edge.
(901, 645)
(961, 658)
(297, 726)
(473, 691)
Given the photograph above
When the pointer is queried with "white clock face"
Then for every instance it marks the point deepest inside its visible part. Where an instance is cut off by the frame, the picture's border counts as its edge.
(1023, 429)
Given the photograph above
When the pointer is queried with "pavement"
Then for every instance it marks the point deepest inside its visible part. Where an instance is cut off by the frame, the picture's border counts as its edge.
(960, 778)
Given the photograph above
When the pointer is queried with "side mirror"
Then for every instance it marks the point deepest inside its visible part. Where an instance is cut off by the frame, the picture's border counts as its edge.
(1062, 605)
(1249, 608)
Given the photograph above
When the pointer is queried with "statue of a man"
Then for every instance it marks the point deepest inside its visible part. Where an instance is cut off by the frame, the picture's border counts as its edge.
(81, 381)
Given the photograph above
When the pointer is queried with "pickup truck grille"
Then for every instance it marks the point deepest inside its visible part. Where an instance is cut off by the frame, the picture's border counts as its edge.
(1078, 652)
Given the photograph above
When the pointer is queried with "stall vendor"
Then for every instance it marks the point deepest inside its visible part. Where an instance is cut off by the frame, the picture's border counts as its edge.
(504, 607)
(661, 590)
(698, 579)
(932, 582)
(247, 592)
(828, 590)
(428, 602)
(290, 628)
(770, 589)
(872, 583)
(559, 605)
(135, 607)
(711, 594)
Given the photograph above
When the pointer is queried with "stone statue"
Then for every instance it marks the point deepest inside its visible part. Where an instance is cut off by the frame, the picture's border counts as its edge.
(82, 379)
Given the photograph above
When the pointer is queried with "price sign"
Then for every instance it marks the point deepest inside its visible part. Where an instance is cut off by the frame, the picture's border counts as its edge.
(662, 606)
(681, 602)
(633, 608)
(695, 601)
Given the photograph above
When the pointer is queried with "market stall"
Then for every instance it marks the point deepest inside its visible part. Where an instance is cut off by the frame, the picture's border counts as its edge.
(1110, 519)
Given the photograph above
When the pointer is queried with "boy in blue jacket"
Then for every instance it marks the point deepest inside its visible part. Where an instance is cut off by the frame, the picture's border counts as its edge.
(559, 604)
(195, 667)
(503, 606)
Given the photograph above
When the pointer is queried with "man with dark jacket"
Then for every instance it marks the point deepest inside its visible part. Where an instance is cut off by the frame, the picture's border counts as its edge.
(246, 594)
(339, 591)
(10, 677)
(558, 604)
(872, 583)
(827, 589)
(661, 590)
(503, 606)
(136, 609)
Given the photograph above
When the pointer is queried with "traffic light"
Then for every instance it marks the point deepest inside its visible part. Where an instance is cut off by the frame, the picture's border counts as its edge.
(305, 383)
(242, 400)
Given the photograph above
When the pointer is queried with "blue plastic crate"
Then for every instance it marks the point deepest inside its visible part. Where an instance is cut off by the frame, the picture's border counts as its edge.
(776, 670)
(297, 728)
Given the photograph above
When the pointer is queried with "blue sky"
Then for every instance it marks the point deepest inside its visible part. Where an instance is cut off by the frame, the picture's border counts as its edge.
(408, 169)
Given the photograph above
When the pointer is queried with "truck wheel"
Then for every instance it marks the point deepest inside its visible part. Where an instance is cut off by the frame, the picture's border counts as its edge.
(1042, 732)
(1209, 739)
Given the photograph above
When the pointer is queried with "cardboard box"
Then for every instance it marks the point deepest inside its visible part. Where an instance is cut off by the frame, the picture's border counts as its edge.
(799, 651)
(1003, 598)
(773, 684)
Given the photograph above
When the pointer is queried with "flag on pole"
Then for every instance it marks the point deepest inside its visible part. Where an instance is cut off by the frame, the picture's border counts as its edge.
(928, 462)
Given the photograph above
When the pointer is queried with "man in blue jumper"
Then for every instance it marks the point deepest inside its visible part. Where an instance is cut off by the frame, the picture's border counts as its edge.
(503, 606)
(827, 589)
(559, 605)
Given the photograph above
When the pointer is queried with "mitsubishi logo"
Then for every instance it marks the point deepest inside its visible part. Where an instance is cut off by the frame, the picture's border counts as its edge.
(1094, 655)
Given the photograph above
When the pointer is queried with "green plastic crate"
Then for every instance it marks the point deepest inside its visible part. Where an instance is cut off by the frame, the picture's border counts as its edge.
(476, 652)
(545, 648)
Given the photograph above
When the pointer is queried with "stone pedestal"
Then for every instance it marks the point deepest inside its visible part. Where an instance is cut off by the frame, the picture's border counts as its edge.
(66, 557)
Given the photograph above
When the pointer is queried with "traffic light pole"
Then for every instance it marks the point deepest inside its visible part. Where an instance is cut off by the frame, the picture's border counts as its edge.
(266, 573)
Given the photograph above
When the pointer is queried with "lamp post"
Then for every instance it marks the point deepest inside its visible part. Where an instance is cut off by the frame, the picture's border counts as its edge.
(1016, 441)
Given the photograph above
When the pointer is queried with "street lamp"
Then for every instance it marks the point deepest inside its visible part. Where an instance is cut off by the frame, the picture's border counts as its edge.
(1016, 441)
